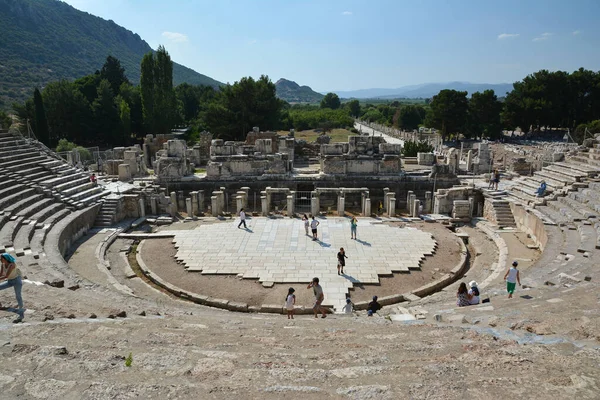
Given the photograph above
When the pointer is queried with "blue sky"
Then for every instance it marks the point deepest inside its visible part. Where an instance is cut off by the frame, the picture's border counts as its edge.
(347, 45)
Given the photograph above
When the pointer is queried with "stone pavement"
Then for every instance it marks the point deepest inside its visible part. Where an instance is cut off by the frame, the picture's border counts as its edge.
(278, 251)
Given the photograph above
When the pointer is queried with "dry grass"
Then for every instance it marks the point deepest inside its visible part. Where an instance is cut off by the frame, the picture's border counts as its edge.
(337, 135)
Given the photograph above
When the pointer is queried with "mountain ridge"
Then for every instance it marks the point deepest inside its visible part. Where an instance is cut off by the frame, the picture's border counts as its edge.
(291, 92)
(46, 40)
(424, 90)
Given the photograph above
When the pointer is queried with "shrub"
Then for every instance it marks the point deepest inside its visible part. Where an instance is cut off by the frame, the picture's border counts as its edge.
(411, 148)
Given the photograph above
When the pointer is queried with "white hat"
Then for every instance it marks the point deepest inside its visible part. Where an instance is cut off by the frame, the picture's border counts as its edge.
(473, 284)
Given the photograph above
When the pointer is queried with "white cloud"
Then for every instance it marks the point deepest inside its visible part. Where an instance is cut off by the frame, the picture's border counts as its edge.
(543, 36)
(577, 32)
(347, 13)
(175, 37)
(503, 36)
(252, 41)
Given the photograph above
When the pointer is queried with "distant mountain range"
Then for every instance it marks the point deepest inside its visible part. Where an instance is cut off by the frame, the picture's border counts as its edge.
(291, 92)
(425, 90)
(46, 40)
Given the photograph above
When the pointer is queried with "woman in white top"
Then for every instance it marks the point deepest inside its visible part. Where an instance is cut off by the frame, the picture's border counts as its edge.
(12, 274)
(512, 277)
(306, 223)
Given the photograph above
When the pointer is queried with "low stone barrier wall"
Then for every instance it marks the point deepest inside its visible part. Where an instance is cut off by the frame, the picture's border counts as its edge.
(456, 273)
(530, 222)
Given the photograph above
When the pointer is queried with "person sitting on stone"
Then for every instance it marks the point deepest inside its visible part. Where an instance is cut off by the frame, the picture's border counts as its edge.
(462, 295)
(473, 293)
(541, 190)
(373, 307)
(93, 179)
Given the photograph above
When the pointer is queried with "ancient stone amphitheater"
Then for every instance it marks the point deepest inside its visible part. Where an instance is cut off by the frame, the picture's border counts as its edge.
(97, 328)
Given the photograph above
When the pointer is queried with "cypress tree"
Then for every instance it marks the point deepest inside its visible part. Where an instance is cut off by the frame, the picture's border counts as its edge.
(41, 123)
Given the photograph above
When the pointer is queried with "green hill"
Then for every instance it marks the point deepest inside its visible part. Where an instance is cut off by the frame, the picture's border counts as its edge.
(291, 92)
(46, 40)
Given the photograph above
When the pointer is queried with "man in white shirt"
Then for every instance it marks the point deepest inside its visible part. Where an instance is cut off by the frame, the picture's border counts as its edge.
(242, 219)
(313, 225)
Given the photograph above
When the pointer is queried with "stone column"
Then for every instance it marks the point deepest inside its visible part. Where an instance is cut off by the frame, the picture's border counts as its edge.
(385, 199)
(264, 206)
(246, 190)
(264, 203)
(154, 205)
(142, 208)
(239, 203)
(188, 207)
(173, 197)
(268, 194)
(194, 197)
(242, 194)
(290, 206)
(214, 206)
(314, 203)
(470, 160)
(428, 201)
(180, 200)
(201, 201)
(415, 208)
(367, 211)
(363, 196)
(341, 202)
(411, 201)
(392, 207)
(410, 193)
(220, 203)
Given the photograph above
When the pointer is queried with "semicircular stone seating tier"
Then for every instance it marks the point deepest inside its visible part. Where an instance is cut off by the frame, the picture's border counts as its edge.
(279, 251)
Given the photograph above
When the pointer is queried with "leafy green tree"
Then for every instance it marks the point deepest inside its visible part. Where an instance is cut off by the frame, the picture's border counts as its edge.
(448, 112)
(114, 73)
(106, 116)
(354, 108)
(5, 120)
(411, 148)
(245, 104)
(331, 100)
(125, 117)
(484, 115)
(158, 97)
(68, 112)
(147, 91)
(410, 117)
(41, 124)
(131, 94)
(88, 86)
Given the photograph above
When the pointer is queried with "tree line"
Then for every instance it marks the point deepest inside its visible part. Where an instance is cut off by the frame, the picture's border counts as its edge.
(104, 109)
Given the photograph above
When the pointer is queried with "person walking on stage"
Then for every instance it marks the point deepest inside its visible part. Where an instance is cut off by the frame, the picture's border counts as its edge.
(242, 219)
(341, 256)
(313, 225)
(353, 225)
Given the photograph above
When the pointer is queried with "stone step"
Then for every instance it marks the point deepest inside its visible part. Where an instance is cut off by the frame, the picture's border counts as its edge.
(573, 174)
(39, 236)
(583, 168)
(67, 178)
(25, 233)
(93, 198)
(18, 155)
(9, 187)
(579, 207)
(586, 160)
(565, 210)
(35, 207)
(6, 201)
(78, 187)
(526, 199)
(78, 196)
(8, 230)
(14, 208)
(17, 166)
(553, 179)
